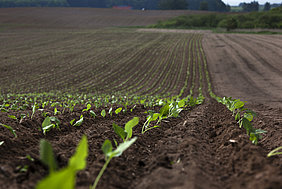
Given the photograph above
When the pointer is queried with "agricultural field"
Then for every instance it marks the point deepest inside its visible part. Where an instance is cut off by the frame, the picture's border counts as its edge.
(88, 100)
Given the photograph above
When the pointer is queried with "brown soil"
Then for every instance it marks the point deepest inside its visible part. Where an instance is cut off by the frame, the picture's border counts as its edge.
(193, 151)
(83, 18)
(246, 66)
(204, 148)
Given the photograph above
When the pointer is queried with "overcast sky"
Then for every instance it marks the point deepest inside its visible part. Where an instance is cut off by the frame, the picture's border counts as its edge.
(236, 2)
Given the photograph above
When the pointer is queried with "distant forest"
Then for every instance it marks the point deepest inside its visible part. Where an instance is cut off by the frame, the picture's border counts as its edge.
(210, 5)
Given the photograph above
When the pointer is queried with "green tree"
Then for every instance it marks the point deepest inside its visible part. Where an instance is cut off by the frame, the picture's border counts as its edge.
(204, 5)
(173, 4)
(267, 6)
(251, 7)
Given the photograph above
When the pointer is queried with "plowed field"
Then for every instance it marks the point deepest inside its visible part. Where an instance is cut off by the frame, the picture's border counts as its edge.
(203, 148)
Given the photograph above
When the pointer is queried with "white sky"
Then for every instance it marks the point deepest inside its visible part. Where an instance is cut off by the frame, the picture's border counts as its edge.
(237, 2)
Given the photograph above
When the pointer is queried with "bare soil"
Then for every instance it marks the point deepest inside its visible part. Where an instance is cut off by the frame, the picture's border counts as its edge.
(83, 18)
(246, 66)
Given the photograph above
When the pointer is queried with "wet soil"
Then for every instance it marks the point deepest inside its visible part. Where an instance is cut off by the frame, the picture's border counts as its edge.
(204, 148)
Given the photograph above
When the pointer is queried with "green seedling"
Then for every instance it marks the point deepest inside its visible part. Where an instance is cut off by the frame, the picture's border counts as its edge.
(23, 116)
(126, 133)
(33, 110)
(243, 116)
(22, 169)
(92, 113)
(117, 111)
(79, 122)
(111, 111)
(87, 108)
(56, 111)
(1, 142)
(29, 158)
(71, 122)
(49, 123)
(12, 117)
(107, 149)
(131, 110)
(10, 129)
(103, 113)
(64, 178)
(275, 152)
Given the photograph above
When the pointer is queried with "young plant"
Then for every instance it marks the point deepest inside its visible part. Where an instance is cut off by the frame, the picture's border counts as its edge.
(10, 129)
(117, 111)
(49, 123)
(275, 152)
(64, 178)
(79, 122)
(34, 107)
(87, 108)
(103, 113)
(126, 133)
(111, 111)
(109, 154)
(92, 113)
(12, 117)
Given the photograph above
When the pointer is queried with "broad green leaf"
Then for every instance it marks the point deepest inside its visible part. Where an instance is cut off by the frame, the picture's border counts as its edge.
(63, 179)
(251, 112)
(123, 146)
(181, 103)
(117, 111)
(88, 106)
(78, 160)
(1, 142)
(248, 116)
(107, 147)
(10, 129)
(155, 116)
(119, 131)
(247, 125)
(129, 125)
(238, 104)
(47, 125)
(92, 113)
(71, 122)
(79, 122)
(12, 117)
(164, 110)
(47, 155)
(103, 112)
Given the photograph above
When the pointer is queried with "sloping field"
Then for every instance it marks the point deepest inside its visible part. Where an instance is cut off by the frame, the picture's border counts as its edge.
(100, 61)
(246, 66)
(83, 77)
(82, 18)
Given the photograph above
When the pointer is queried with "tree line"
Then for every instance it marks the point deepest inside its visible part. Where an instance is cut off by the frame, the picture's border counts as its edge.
(211, 5)
(266, 19)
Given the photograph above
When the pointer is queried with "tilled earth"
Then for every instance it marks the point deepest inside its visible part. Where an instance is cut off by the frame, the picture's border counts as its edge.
(204, 148)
